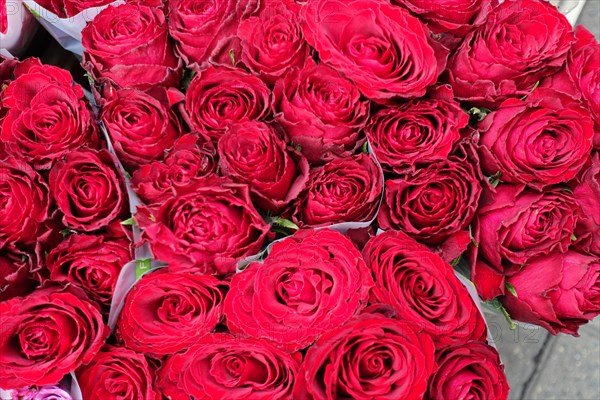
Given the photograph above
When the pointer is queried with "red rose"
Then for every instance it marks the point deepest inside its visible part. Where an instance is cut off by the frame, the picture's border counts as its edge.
(380, 47)
(167, 312)
(422, 289)
(91, 262)
(192, 157)
(254, 154)
(47, 117)
(70, 8)
(218, 97)
(222, 366)
(25, 203)
(521, 42)
(370, 357)
(559, 292)
(142, 128)
(129, 45)
(343, 190)
(16, 272)
(418, 132)
(321, 112)
(89, 190)
(272, 42)
(117, 372)
(587, 194)
(207, 228)
(472, 370)
(46, 335)
(542, 140)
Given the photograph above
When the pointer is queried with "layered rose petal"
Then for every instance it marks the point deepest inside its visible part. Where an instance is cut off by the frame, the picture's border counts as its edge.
(587, 194)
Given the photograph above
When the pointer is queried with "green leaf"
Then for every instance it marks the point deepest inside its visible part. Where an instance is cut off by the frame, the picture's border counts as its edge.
(32, 11)
(232, 57)
(4, 86)
(455, 262)
(510, 288)
(24, 257)
(495, 179)
(90, 78)
(473, 238)
(365, 148)
(186, 79)
(478, 114)
(66, 232)
(129, 221)
(141, 267)
(535, 86)
(298, 148)
(285, 223)
(573, 238)
(497, 306)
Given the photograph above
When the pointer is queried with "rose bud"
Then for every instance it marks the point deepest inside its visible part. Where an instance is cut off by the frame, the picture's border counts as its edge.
(521, 42)
(587, 194)
(254, 154)
(472, 370)
(47, 116)
(58, 328)
(70, 8)
(49, 392)
(384, 50)
(166, 312)
(89, 190)
(222, 366)
(218, 97)
(17, 268)
(542, 140)
(141, 127)
(343, 190)
(309, 283)
(423, 289)
(418, 132)
(321, 111)
(207, 228)
(192, 158)
(118, 372)
(558, 292)
(370, 357)
(129, 45)
(92, 263)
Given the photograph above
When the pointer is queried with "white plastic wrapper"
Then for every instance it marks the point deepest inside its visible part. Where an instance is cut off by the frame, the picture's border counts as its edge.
(68, 384)
(21, 27)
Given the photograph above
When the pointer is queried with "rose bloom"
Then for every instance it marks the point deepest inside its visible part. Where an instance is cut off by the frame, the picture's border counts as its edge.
(423, 289)
(343, 190)
(222, 366)
(129, 45)
(192, 158)
(542, 140)
(321, 111)
(89, 190)
(47, 116)
(558, 292)
(521, 42)
(70, 8)
(471, 370)
(370, 357)
(218, 97)
(309, 283)
(586, 192)
(253, 153)
(141, 127)
(384, 50)
(91, 262)
(17, 269)
(117, 372)
(206, 229)
(418, 132)
(47, 334)
(166, 312)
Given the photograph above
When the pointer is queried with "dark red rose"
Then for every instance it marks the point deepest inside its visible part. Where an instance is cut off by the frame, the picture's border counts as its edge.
(343, 190)
(89, 190)
(309, 283)
(47, 116)
(206, 229)
(16, 272)
(321, 112)
(559, 292)
(91, 262)
(25, 203)
(587, 194)
(542, 140)
(70, 8)
(382, 48)
(370, 357)
(272, 42)
(420, 131)
(254, 154)
(117, 372)
(223, 366)
(129, 45)
(192, 158)
(218, 97)
(166, 312)
(472, 370)
(141, 127)
(423, 289)
(521, 42)
(46, 335)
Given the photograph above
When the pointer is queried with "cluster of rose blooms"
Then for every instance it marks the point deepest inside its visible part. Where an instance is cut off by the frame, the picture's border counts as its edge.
(309, 172)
